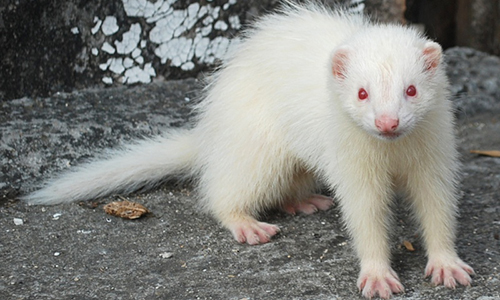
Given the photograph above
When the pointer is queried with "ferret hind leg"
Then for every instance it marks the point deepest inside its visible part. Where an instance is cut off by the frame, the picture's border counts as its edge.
(309, 205)
(303, 195)
(240, 185)
(237, 208)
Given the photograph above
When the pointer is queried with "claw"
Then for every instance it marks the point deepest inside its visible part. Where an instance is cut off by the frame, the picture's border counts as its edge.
(310, 205)
(252, 232)
(448, 272)
(382, 282)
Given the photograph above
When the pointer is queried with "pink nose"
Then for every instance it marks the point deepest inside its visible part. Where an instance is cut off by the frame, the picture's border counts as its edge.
(386, 124)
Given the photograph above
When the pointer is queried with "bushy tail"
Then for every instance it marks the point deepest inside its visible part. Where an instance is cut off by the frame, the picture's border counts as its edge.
(120, 171)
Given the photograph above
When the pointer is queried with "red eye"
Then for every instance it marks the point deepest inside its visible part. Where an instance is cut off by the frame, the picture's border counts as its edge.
(411, 91)
(362, 94)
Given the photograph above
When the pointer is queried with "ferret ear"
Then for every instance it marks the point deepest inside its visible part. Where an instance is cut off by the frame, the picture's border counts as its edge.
(432, 55)
(339, 62)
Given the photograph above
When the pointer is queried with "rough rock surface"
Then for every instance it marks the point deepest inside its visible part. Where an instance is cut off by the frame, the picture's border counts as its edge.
(53, 46)
(76, 251)
(475, 80)
(478, 25)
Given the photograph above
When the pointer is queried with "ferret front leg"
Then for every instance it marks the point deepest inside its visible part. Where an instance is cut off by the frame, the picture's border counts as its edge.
(365, 205)
(434, 202)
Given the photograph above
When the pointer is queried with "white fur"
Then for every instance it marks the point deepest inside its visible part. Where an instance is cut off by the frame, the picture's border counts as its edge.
(283, 113)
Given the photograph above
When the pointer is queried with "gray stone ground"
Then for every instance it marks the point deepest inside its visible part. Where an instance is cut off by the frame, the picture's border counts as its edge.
(76, 251)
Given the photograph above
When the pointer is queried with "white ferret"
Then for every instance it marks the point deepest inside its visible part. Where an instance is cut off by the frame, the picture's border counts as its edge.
(309, 96)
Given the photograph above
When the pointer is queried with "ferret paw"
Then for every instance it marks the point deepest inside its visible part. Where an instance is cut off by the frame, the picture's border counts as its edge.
(253, 232)
(448, 271)
(383, 283)
(310, 205)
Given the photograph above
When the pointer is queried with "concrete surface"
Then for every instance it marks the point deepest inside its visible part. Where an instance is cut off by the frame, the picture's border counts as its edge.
(76, 251)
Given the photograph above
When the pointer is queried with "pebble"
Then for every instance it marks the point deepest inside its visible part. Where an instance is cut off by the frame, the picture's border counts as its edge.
(166, 255)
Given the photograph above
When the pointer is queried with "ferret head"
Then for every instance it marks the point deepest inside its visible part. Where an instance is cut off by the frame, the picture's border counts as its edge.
(387, 79)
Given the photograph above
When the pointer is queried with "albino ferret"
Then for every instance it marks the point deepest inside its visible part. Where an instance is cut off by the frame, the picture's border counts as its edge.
(311, 96)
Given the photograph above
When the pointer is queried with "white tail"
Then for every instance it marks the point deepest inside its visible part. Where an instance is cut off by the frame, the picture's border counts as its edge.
(142, 164)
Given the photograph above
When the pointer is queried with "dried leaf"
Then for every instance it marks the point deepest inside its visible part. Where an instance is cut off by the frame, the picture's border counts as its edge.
(125, 209)
(492, 153)
(408, 246)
